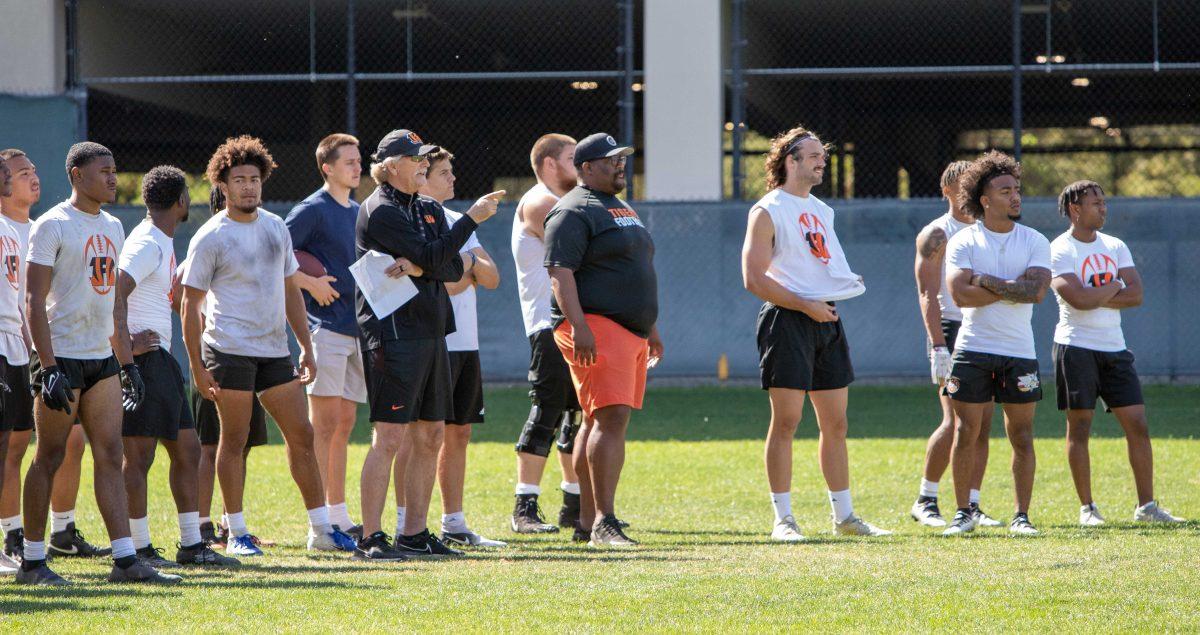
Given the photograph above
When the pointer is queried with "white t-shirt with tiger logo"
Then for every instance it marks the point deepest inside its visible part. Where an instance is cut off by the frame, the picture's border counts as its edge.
(1096, 265)
(807, 258)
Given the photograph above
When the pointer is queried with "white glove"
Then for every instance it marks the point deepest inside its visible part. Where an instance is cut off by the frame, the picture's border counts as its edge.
(939, 364)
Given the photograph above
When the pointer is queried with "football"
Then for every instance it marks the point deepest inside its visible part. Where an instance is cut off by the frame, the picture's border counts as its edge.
(309, 264)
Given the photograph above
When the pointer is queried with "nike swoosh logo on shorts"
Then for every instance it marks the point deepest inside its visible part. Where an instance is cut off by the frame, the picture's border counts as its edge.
(397, 407)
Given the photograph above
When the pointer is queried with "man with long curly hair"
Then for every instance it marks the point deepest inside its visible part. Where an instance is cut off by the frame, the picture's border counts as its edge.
(242, 259)
(792, 260)
(997, 269)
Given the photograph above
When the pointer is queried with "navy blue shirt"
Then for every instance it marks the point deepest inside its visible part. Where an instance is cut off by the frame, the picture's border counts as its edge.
(325, 229)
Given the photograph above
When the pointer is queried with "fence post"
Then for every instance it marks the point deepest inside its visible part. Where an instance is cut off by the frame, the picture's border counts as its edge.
(626, 104)
(1017, 124)
(351, 87)
(737, 95)
(75, 89)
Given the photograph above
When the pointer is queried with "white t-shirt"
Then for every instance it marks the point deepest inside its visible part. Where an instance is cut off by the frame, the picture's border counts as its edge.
(243, 267)
(82, 249)
(149, 258)
(466, 322)
(12, 316)
(533, 280)
(950, 226)
(808, 259)
(1001, 328)
(1095, 264)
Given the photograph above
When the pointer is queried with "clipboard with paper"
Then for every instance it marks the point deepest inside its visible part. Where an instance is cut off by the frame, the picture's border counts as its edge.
(383, 293)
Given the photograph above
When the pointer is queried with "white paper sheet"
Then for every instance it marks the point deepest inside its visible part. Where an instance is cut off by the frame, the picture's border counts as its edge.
(383, 293)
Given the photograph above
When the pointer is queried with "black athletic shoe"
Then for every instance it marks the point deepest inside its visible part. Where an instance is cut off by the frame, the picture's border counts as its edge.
(221, 535)
(141, 573)
(568, 515)
(202, 555)
(354, 532)
(208, 534)
(607, 533)
(40, 575)
(14, 544)
(153, 557)
(424, 545)
(527, 517)
(377, 548)
(581, 535)
(70, 542)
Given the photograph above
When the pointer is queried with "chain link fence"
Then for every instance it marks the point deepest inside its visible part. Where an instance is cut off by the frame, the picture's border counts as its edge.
(1076, 88)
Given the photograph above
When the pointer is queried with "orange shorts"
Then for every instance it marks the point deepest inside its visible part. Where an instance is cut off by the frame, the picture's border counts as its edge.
(618, 376)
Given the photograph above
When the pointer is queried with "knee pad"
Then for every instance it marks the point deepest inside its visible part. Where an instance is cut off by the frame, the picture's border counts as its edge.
(567, 430)
(538, 433)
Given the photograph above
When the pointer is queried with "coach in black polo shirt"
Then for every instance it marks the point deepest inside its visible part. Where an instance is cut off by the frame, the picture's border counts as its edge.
(405, 360)
(605, 306)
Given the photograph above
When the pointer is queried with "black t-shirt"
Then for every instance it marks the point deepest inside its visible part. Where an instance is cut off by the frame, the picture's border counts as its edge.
(413, 227)
(601, 239)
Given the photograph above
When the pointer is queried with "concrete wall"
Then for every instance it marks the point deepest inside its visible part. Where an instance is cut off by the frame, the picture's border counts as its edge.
(705, 311)
(33, 35)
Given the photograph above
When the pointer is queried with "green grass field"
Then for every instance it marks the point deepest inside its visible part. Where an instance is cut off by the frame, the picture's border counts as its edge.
(695, 493)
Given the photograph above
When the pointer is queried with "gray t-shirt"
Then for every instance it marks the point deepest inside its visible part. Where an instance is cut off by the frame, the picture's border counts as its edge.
(243, 267)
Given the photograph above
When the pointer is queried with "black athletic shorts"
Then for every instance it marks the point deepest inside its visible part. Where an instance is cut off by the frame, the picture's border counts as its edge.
(949, 333)
(164, 411)
(466, 377)
(82, 373)
(208, 423)
(240, 372)
(1081, 375)
(983, 377)
(549, 374)
(409, 380)
(18, 401)
(794, 351)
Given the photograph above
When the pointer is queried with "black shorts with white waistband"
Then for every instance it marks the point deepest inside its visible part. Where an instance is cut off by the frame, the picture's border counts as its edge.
(798, 352)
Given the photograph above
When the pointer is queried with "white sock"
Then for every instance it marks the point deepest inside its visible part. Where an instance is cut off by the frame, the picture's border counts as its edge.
(570, 488)
(139, 530)
(400, 521)
(782, 503)
(35, 550)
(318, 520)
(189, 528)
(524, 489)
(236, 524)
(122, 547)
(929, 488)
(9, 524)
(60, 520)
(974, 498)
(340, 516)
(456, 522)
(842, 507)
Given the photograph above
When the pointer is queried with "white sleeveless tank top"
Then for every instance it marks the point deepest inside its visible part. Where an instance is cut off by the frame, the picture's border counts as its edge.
(808, 259)
(533, 281)
(948, 224)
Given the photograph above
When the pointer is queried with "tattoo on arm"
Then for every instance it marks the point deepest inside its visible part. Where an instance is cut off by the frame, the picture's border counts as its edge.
(931, 243)
(1026, 289)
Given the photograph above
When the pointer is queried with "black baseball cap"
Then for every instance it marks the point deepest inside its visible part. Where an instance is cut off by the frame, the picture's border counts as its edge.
(401, 143)
(599, 146)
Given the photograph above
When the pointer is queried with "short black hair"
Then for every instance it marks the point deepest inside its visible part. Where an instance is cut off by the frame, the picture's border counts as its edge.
(163, 186)
(83, 152)
(1074, 192)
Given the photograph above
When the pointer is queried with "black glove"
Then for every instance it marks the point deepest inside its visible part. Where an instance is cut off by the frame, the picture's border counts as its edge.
(133, 389)
(56, 389)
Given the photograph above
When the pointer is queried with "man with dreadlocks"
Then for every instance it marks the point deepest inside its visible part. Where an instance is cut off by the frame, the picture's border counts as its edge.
(997, 269)
(1094, 278)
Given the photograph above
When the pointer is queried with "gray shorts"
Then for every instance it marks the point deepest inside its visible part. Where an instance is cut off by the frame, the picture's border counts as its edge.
(339, 367)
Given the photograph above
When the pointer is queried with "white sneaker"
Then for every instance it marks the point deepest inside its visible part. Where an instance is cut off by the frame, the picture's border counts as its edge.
(964, 522)
(927, 513)
(321, 542)
(786, 530)
(8, 566)
(1089, 516)
(1021, 526)
(983, 520)
(469, 538)
(855, 526)
(1152, 513)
